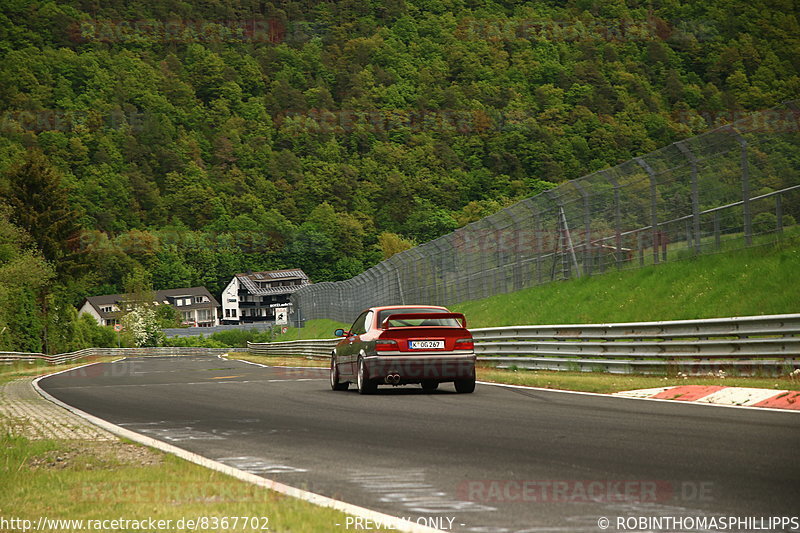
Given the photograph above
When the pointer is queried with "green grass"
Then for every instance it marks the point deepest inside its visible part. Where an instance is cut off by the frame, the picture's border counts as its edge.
(313, 329)
(12, 371)
(609, 383)
(754, 281)
(92, 480)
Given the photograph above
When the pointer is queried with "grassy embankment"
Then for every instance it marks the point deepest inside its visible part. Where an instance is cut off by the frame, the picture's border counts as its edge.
(756, 281)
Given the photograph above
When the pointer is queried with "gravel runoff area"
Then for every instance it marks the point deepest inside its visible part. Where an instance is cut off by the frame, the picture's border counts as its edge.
(23, 412)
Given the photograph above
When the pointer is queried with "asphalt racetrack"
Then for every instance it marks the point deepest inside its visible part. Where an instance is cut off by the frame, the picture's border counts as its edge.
(498, 460)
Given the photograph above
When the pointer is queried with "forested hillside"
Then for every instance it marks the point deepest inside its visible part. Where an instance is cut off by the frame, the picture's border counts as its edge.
(183, 142)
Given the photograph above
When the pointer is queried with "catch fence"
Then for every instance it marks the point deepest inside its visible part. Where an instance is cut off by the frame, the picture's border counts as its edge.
(734, 187)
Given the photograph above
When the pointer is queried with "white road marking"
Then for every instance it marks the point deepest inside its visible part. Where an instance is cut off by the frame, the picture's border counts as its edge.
(641, 393)
(409, 489)
(259, 465)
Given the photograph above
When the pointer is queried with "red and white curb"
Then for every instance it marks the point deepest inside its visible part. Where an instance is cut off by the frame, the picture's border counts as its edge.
(719, 395)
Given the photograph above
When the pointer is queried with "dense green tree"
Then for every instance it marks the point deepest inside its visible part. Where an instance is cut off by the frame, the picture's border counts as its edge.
(341, 133)
(40, 206)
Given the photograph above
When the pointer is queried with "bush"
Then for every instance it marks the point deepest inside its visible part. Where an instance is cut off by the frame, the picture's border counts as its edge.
(765, 222)
(198, 341)
(90, 334)
(234, 338)
(238, 338)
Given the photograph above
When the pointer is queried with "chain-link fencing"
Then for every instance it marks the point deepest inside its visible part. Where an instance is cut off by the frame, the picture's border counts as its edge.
(734, 187)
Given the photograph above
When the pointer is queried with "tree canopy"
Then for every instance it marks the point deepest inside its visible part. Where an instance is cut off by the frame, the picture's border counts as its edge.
(193, 141)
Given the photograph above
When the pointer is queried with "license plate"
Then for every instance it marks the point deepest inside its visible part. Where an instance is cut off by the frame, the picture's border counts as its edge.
(425, 345)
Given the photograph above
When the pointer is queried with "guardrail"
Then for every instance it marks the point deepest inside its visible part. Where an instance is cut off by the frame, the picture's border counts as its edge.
(313, 347)
(58, 359)
(746, 345)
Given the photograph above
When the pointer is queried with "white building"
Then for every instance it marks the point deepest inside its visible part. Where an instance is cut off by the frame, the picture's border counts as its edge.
(196, 306)
(254, 296)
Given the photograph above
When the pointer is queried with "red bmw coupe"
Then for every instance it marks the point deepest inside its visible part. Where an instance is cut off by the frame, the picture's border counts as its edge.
(404, 344)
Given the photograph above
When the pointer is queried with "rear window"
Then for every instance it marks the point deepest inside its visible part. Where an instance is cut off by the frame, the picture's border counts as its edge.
(413, 322)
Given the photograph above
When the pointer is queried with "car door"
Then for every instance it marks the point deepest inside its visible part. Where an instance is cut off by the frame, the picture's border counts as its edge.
(355, 340)
(348, 352)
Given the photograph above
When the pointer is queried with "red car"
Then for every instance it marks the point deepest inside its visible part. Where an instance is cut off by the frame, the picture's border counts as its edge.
(404, 344)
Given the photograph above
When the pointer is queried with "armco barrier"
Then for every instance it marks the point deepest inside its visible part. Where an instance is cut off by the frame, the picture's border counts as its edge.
(746, 345)
(314, 347)
(17, 357)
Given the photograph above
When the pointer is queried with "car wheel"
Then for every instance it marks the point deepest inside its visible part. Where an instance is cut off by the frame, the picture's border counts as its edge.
(335, 385)
(466, 385)
(365, 386)
(430, 386)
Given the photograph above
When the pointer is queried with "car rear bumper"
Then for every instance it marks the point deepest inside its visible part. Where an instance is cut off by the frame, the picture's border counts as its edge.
(421, 366)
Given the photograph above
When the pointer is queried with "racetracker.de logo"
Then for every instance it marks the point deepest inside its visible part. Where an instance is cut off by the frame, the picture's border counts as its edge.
(254, 30)
(582, 491)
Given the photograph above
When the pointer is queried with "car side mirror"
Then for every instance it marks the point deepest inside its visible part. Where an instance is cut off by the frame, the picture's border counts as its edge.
(339, 333)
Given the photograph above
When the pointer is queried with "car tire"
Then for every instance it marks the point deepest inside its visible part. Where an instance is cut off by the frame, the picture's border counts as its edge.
(335, 385)
(430, 386)
(365, 386)
(465, 386)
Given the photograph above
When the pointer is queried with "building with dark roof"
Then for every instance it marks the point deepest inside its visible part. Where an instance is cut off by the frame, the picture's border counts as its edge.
(196, 306)
(255, 296)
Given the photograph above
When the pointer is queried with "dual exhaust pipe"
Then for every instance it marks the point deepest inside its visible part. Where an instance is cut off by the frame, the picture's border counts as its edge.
(392, 379)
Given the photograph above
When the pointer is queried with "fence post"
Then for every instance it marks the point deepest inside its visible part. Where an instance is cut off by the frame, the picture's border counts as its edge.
(653, 206)
(695, 194)
(538, 235)
(747, 213)
(779, 213)
(439, 273)
(617, 218)
(587, 228)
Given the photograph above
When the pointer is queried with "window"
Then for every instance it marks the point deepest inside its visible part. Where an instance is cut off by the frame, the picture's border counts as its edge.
(200, 299)
(233, 313)
(106, 309)
(227, 313)
(204, 314)
(178, 302)
(360, 325)
(187, 316)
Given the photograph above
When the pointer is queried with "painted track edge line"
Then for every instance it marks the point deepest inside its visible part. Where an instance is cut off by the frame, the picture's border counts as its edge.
(277, 366)
(602, 395)
(317, 499)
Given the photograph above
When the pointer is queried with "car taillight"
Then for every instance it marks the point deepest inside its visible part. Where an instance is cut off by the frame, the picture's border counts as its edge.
(465, 344)
(384, 345)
